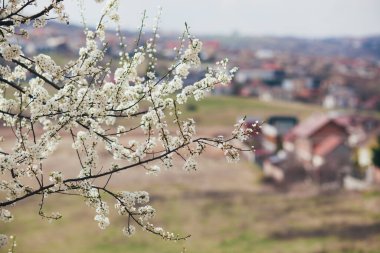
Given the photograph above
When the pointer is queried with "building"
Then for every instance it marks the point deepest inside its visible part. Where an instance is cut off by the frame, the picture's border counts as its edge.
(275, 128)
(284, 169)
(320, 144)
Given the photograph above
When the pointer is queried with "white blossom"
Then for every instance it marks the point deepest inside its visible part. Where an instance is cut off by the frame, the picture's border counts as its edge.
(102, 220)
(129, 231)
(190, 164)
(81, 101)
(154, 170)
(56, 177)
(5, 215)
(3, 240)
(11, 52)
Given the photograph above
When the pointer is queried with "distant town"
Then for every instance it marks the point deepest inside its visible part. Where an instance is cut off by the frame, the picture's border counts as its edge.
(340, 73)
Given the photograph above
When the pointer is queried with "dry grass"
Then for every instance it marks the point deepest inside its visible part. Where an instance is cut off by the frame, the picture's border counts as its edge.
(223, 208)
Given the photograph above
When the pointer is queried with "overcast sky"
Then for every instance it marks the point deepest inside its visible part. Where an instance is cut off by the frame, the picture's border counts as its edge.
(305, 18)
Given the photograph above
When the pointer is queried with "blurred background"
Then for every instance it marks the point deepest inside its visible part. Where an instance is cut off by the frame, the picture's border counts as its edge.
(309, 70)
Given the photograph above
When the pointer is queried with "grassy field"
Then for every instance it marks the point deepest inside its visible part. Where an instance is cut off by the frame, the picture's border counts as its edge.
(223, 111)
(225, 207)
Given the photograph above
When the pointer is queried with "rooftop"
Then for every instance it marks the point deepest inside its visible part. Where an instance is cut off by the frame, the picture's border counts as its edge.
(328, 145)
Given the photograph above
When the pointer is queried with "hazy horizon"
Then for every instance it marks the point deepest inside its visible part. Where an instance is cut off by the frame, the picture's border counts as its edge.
(292, 18)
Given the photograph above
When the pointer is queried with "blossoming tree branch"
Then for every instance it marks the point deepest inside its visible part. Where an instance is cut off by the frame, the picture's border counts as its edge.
(42, 102)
